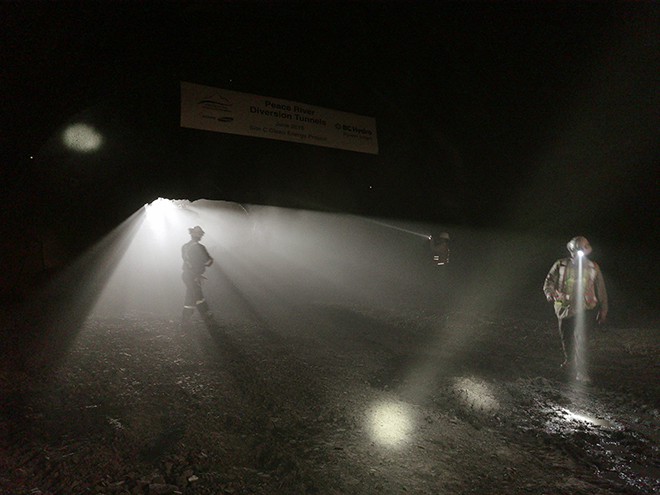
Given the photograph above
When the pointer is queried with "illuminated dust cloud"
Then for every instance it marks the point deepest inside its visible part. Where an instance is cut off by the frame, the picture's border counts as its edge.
(344, 358)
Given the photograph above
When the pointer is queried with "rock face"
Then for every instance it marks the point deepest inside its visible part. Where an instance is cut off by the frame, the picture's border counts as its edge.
(328, 398)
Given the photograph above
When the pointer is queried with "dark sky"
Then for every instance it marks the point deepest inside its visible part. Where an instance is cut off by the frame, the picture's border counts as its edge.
(537, 117)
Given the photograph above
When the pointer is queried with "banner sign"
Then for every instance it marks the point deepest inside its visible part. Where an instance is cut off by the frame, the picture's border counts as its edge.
(221, 110)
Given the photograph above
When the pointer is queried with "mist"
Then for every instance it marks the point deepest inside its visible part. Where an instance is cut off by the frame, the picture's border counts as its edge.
(277, 257)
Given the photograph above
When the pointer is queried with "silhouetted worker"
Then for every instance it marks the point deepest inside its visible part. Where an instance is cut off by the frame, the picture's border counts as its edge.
(196, 259)
(440, 248)
(435, 282)
(576, 302)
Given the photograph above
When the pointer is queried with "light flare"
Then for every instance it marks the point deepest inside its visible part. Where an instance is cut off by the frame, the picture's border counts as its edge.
(82, 138)
(400, 229)
(159, 216)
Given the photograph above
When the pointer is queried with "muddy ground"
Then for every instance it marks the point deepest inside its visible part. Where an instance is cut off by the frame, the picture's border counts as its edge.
(328, 397)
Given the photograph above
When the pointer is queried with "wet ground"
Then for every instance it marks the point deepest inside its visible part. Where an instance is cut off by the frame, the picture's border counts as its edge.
(328, 397)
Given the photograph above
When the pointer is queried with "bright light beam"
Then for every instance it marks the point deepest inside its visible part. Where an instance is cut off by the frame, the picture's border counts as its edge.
(579, 320)
(147, 278)
(425, 236)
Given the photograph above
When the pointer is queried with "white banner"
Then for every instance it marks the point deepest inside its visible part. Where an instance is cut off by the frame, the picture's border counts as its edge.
(221, 110)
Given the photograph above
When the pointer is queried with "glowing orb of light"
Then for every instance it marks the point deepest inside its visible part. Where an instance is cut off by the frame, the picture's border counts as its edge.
(82, 138)
(391, 423)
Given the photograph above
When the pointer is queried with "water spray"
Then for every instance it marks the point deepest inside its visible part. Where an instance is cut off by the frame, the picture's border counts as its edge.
(412, 232)
(439, 246)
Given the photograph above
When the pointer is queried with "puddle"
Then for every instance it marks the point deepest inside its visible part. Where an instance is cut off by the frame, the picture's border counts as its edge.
(564, 420)
(621, 456)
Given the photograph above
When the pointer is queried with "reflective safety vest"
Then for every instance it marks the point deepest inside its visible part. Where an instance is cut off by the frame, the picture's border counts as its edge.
(561, 284)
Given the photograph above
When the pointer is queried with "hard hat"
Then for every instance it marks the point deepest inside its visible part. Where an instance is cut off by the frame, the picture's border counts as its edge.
(196, 231)
(578, 243)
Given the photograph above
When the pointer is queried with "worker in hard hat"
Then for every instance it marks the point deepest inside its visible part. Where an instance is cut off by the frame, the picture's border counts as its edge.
(579, 302)
(196, 259)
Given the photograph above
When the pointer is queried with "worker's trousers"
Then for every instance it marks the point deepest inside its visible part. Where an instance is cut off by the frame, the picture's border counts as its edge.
(194, 298)
(574, 338)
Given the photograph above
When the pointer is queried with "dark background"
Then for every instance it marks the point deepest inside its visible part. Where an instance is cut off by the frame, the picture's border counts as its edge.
(534, 118)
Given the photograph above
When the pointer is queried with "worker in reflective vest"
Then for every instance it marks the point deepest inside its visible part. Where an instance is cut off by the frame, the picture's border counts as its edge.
(577, 290)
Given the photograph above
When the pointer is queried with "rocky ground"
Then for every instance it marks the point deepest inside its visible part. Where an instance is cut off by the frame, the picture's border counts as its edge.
(328, 398)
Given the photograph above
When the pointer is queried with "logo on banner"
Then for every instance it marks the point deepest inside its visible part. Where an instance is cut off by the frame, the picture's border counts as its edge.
(216, 107)
(351, 129)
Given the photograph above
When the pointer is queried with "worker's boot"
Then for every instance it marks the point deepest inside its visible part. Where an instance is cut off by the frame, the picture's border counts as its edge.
(207, 315)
